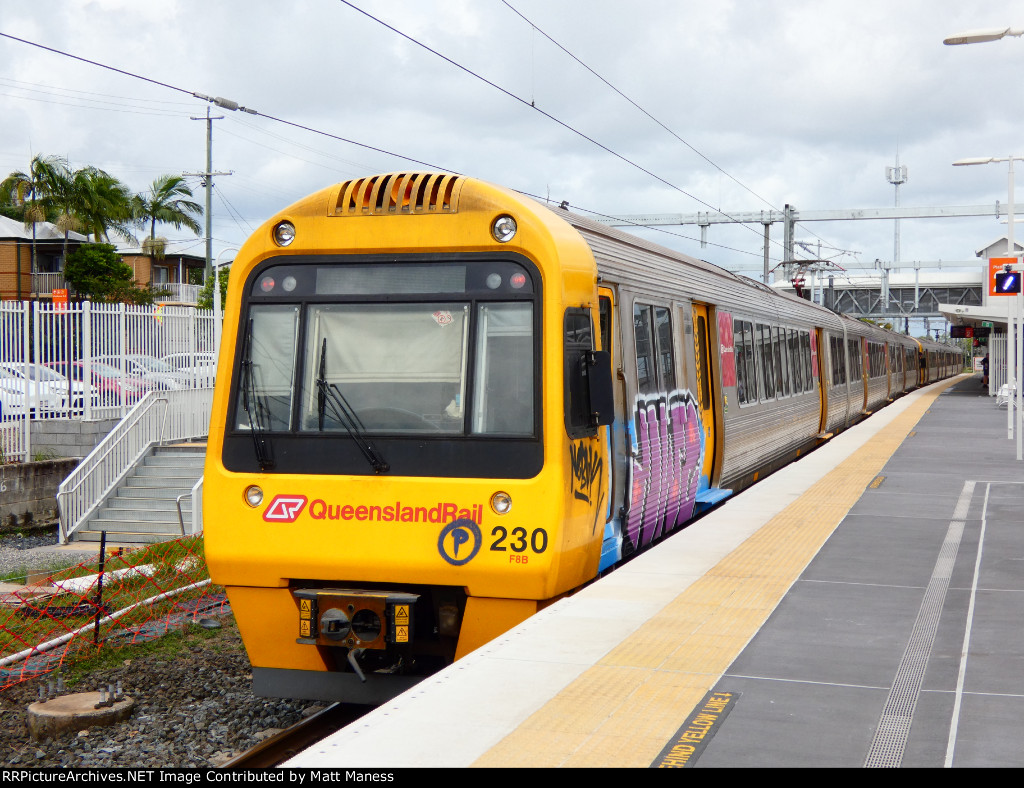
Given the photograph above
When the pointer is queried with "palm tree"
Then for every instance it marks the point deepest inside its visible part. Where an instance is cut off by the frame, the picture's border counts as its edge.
(105, 205)
(67, 200)
(169, 200)
(33, 190)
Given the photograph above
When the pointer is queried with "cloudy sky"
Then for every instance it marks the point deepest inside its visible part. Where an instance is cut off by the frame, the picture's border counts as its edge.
(755, 104)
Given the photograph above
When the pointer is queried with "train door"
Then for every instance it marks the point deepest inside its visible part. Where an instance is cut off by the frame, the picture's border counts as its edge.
(890, 363)
(618, 452)
(705, 387)
(610, 341)
(819, 367)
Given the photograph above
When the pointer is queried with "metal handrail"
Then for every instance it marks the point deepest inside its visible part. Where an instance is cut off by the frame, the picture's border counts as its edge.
(184, 414)
(177, 504)
(78, 496)
(196, 494)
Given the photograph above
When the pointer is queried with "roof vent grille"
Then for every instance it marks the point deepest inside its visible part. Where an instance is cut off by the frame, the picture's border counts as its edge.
(400, 193)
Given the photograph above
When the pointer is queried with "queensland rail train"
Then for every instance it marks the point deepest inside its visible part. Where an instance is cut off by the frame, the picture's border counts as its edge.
(442, 405)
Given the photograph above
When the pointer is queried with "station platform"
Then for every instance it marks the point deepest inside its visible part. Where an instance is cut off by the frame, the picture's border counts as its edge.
(861, 607)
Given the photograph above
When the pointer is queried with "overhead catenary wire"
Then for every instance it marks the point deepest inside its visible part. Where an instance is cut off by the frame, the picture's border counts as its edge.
(621, 157)
(378, 149)
(647, 114)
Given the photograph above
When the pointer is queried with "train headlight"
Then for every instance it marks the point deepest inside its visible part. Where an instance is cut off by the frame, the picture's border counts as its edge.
(501, 502)
(504, 229)
(253, 496)
(284, 233)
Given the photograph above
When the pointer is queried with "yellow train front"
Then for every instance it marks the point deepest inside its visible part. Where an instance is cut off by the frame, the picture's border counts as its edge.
(407, 450)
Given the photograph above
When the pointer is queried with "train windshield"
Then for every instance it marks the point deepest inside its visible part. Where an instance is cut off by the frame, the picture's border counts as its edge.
(400, 367)
(463, 365)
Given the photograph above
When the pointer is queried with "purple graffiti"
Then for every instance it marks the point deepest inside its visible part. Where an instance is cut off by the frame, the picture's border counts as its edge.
(668, 452)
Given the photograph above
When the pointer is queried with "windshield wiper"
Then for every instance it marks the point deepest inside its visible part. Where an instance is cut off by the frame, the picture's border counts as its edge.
(254, 407)
(328, 395)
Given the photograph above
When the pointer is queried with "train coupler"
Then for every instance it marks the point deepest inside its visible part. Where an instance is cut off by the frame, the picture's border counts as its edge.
(354, 618)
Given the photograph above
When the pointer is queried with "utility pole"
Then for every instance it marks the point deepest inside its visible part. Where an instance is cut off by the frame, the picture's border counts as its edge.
(897, 176)
(208, 175)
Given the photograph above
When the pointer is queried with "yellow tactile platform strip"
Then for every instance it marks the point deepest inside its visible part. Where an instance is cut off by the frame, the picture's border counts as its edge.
(623, 711)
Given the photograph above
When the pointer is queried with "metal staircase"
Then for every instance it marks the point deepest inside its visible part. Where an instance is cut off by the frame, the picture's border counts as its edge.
(132, 484)
(144, 507)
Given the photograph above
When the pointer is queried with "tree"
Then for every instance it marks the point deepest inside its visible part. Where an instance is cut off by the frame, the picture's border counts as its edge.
(168, 201)
(106, 205)
(205, 298)
(67, 200)
(32, 190)
(96, 271)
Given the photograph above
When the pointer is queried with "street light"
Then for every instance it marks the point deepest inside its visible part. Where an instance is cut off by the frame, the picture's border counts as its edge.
(216, 300)
(1013, 369)
(981, 36)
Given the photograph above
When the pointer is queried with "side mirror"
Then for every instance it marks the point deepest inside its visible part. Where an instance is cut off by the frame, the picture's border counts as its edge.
(597, 370)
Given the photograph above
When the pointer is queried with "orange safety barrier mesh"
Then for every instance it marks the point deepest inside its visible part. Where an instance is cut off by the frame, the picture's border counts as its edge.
(72, 613)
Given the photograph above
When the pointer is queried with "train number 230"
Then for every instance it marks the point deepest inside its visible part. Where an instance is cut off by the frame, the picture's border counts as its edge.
(537, 542)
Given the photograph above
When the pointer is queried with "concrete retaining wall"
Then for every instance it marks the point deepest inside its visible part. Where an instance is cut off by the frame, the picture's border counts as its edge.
(54, 438)
(28, 491)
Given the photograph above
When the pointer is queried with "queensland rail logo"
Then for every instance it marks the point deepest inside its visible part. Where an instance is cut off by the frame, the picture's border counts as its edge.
(284, 508)
(459, 542)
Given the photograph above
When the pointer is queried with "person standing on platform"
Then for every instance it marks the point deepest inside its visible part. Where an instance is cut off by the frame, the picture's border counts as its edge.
(984, 371)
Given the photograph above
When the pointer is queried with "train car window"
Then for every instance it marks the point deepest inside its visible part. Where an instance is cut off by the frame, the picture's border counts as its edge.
(750, 362)
(605, 316)
(739, 351)
(655, 361)
(703, 378)
(838, 361)
(666, 358)
(269, 385)
(781, 362)
(767, 359)
(503, 399)
(805, 347)
(646, 375)
(753, 393)
(795, 360)
(746, 362)
(401, 368)
(578, 342)
(856, 362)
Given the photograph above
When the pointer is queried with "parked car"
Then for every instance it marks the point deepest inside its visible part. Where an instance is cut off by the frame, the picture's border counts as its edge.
(12, 396)
(147, 368)
(111, 387)
(198, 368)
(46, 388)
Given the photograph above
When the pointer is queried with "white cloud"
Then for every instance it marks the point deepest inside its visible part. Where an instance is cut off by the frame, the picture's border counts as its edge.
(804, 102)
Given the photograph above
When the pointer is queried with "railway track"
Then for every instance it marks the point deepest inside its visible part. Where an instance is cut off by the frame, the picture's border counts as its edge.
(282, 746)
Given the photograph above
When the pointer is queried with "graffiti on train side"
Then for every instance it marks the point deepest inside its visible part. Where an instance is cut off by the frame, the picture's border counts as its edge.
(668, 452)
(587, 470)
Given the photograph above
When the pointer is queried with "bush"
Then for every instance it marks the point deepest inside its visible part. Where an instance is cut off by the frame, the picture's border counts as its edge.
(97, 272)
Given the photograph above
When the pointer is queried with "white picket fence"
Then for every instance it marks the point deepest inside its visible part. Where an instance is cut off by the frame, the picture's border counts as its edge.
(111, 353)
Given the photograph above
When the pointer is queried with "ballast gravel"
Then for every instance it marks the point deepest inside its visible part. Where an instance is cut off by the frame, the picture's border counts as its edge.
(194, 709)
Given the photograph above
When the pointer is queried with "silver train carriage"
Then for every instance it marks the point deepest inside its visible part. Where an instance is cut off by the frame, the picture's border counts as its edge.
(720, 379)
